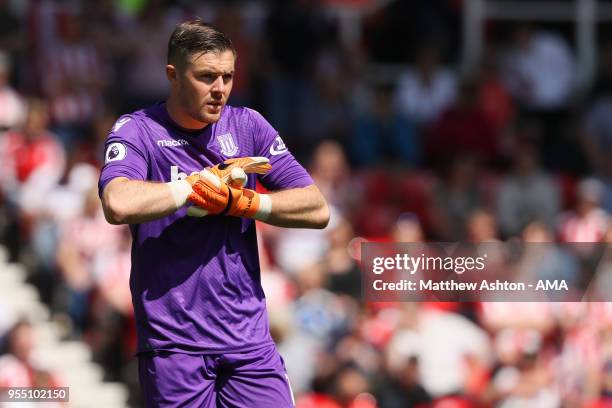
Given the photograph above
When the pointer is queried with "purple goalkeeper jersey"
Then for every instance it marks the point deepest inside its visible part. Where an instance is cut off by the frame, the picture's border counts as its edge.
(195, 282)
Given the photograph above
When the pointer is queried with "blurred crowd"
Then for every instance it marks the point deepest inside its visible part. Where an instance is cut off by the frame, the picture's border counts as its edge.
(516, 150)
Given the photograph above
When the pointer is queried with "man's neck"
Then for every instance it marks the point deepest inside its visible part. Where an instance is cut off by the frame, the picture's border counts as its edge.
(182, 119)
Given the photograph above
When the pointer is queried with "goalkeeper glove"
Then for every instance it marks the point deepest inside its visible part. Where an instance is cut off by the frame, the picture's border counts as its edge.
(231, 171)
(213, 196)
(259, 165)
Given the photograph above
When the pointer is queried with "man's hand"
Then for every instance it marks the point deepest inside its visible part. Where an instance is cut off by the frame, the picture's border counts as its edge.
(231, 171)
(259, 165)
(213, 196)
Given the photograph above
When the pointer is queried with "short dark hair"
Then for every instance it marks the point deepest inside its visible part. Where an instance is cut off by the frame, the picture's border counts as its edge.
(193, 37)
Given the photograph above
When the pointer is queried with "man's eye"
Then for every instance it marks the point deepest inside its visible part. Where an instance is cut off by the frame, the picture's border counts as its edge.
(227, 77)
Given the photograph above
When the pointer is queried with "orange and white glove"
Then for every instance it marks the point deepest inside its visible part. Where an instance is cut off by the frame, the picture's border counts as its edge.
(259, 165)
(212, 196)
(232, 172)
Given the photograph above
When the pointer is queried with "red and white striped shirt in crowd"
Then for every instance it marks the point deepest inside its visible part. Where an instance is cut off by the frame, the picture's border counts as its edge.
(15, 373)
(91, 235)
(72, 82)
(591, 227)
(112, 269)
(39, 160)
(70, 73)
(12, 108)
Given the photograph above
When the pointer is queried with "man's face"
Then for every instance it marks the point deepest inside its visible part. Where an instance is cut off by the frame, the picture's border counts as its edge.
(204, 84)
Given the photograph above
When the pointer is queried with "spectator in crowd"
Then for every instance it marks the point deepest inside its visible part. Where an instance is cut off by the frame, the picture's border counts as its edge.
(75, 75)
(481, 226)
(596, 133)
(463, 129)
(527, 194)
(351, 387)
(401, 383)
(493, 97)
(377, 207)
(146, 53)
(441, 340)
(313, 244)
(605, 387)
(425, 90)
(381, 137)
(328, 102)
(540, 72)
(17, 366)
(588, 222)
(596, 130)
(320, 320)
(407, 228)
(293, 344)
(90, 148)
(12, 109)
(81, 241)
(294, 33)
(596, 136)
(603, 401)
(546, 261)
(111, 331)
(31, 159)
(496, 316)
(539, 69)
(342, 272)
(528, 381)
(456, 197)
(32, 162)
(112, 274)
(584, 351)
(331, 171)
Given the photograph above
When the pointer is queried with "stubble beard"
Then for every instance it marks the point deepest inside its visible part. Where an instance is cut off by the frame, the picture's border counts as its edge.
(207, 117)
(201, 115)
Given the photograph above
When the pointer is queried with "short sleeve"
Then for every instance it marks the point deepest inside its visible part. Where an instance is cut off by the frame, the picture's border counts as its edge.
(124, 153)
(286, 171)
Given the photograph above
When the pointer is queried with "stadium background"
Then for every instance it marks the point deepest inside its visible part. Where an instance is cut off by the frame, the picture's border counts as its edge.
(420, 120)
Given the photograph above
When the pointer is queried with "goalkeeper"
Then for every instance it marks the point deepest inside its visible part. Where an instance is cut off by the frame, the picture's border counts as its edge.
(182, 173)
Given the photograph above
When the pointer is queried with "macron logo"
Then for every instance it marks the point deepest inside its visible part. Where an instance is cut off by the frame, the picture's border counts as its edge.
(172, 143)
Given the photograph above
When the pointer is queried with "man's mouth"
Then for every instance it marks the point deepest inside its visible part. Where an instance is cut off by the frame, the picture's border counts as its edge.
(214, 107)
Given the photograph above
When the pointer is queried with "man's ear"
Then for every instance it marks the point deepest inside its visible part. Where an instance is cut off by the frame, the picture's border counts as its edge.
(171, 73)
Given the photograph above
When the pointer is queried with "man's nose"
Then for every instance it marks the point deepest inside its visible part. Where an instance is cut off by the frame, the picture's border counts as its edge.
(218, 85)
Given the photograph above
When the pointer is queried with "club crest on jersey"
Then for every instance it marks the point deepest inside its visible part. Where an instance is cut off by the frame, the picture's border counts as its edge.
(228, 145)
(115, 151)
